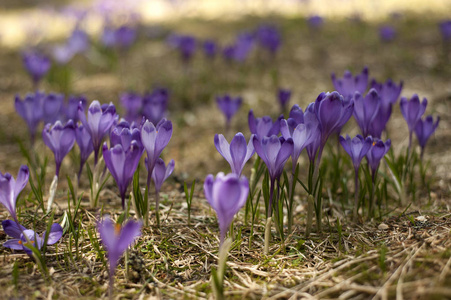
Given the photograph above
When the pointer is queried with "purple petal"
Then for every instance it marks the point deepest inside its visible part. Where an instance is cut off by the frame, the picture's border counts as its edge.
(12, 229)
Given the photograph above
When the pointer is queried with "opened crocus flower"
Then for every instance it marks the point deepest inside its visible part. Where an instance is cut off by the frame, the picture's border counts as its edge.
(366, 109)
(226, 194)
(84, 142)
(283, 96)
(155, 105)
(116, 239)
(302, 136)
(229, 107)
(22, 236)
(10, 189)
(30, 109)
(132, 102)
(99, 121)
(52, 107)
(60, 139)
(412, 110)
(122, 160)
(349, 84)
(160, 173)
(237, 153)
(357, 148)
(264, 126)
(36, 64)
(424, 129)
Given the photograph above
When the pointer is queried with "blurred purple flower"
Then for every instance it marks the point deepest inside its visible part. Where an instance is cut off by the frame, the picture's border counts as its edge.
(52, 107)
(412, 110)
(229, 106)
(210, 48)
(302, 136)
(387, 33)
(36, 64)
(116, 239)
(244, 44)
(283, 96)
(226, 194)
(445, 29)
(84, 142)
(376, 153)
(357, 148)
(185, 44)
(122, 37)
(30, 109)
(237, 153)
(10, 189)
(311, 121)
(269, 38)
(21, 234)
(424, 129)
(132, 102)
(155, 105)
(78, 41)
(348, 84)
(315, 21)
(263, 126)
(72, 107)
(62, 54)
(161, 172)
(99, 121)
(60, 139)
(365, 110)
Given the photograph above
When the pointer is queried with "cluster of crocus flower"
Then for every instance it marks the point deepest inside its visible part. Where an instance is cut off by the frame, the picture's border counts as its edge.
(152, 106)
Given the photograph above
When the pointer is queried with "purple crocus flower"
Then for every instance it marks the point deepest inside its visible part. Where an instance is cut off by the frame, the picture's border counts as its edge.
(99, 121)
(237, 153)
(311, 121)
(52, 107)
(229, 106)
(22, 236)
(375, 154)
(263, 126)
(62, 54)
(60, 139)
(185, 44)
(244, 44)
(116, 239)
(161, 172)
(210, 48)
(229, 52)
(366, 109)
(154, 140)
(387, 33)
(315, 21)
(357, 148)
(349, 84)
(122, 158)
(268, 37)
(445, 29)
(125, 36)
(30, 109)
(283, 95)
(36, 64)
(412, 110)
(72, 107)
(155, 105)
(78, 41)
(424, 129)
(10, 189)
(226, 194)
(132, 102)
(84, 142)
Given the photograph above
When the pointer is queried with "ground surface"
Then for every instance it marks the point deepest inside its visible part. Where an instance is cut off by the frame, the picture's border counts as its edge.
(404, 254)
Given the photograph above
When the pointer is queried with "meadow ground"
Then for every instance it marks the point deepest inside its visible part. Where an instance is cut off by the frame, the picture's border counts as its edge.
(403, 253)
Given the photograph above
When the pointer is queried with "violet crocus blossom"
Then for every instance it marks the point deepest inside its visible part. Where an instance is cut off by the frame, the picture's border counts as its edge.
(60, 139)
(22, 236)
(283, 95)
(445, 30)
(116, 239)
(185, 44)
(268, 36)
(302, 136)
(36, 64)
(155, 105)
(387, 33)
(349, 84)
(366, 109)
(315, 21)
(311, 121)
(263, 126)
(10, 189)
(210, 48)
(30, 109)
(226, 194)
(84, 142)
(424, 129)
(237, 153)
(375, 155)
(52, 107)
(160, 173)
(132, 102)
(357, 148)
(412, 110)
(122, 159)
(99, 121)
(78, 41)
(229, 106)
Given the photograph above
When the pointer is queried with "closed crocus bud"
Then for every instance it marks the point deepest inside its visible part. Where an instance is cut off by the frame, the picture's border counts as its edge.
(10, 189)
(226, 194)
(445, 30)
(376, 153)
(210, 48)
(237, 153)
(357, 148)
(53, 107)
(269, 38)
(263, 126)
(228, 106)
(30, 109)
(366, 109)
(133, 103)
(36, 64)
(161, 172)
(84, 142)
(283, 96)
(60, 139)
(155, 105)
(424, 129)
(72, 107)
(412, 110)
(311, 121)
(349, 84)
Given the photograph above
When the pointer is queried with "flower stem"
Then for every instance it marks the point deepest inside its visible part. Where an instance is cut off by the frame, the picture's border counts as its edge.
(310, 205)
(52, 192)
(356, 194)
(267, 235)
